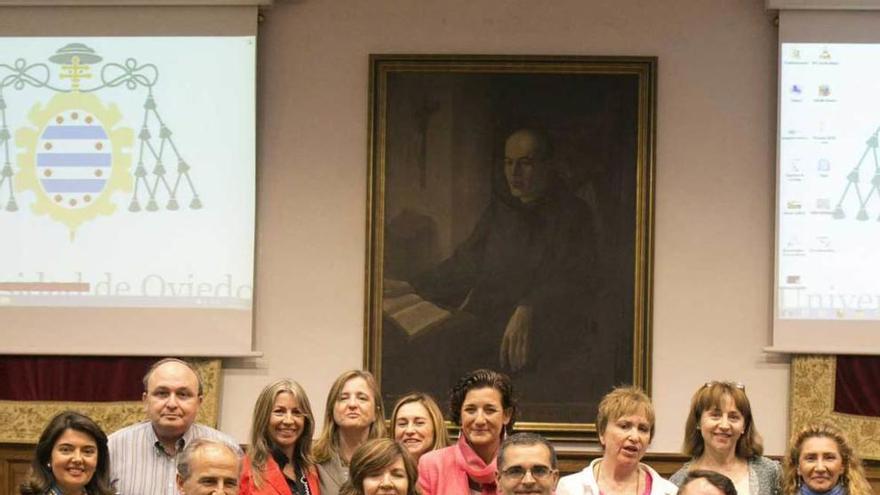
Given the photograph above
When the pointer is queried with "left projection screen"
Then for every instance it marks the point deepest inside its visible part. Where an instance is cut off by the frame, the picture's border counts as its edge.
(127, 195)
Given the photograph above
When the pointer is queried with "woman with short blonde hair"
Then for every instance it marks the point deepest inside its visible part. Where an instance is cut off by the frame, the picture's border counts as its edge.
(625, 424)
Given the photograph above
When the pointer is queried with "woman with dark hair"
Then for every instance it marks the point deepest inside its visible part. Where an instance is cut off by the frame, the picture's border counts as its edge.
(820, 460)
(720, 435)
(279, 458)
(71, 458)
(354, 414)
(625, 425)
(482, 404)
(381, 466)
(417, 424)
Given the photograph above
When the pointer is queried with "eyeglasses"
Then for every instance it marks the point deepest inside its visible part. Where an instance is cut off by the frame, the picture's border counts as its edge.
(517, 473)
(736, 385)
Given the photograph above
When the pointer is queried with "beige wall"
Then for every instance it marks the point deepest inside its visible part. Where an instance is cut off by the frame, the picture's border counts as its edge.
(715, 181)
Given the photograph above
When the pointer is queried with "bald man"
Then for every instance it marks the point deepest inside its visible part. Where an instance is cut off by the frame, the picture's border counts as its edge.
(144, 456)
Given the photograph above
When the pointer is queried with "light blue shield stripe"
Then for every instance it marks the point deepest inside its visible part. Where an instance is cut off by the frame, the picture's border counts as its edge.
(74, 159)
(73, 185)
(74, 132)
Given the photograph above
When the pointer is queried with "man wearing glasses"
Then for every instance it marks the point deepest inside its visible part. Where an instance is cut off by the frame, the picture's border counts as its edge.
(526, 464)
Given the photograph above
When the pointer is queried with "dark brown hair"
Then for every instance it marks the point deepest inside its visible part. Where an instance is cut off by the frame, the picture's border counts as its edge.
(715, 479)
(40, 478)
(483, 378)
(525, 439)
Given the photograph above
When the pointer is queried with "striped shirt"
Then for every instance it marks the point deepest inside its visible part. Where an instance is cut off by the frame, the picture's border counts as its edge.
(139, 464)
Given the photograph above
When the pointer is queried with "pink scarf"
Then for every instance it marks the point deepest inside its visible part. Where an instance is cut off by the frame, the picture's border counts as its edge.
(468, 461)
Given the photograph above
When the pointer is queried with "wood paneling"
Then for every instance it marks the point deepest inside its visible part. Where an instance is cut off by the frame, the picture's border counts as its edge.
(15, 460)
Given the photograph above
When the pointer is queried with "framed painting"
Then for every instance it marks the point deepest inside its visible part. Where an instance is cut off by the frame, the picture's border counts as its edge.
(510, 226)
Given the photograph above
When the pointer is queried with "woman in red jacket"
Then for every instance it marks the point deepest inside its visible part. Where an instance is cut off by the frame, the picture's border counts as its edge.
(279, 460)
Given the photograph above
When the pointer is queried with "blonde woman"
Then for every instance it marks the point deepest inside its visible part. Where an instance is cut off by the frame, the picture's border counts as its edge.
(279, 458)
(417, 424)
(821, 461)
(354, 414)
(625, 424)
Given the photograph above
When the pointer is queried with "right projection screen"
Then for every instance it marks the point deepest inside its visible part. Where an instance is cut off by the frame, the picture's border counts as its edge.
(827, 281)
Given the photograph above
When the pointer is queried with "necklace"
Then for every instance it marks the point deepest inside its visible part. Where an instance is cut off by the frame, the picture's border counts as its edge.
(599, 471)
(305, 484)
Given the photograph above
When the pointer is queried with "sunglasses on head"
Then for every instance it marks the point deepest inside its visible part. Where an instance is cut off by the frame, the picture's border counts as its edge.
(736, 385)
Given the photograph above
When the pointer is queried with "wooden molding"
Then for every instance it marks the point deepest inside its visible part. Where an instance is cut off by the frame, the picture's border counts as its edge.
(15, 460)
(822, 5)
(133, 3)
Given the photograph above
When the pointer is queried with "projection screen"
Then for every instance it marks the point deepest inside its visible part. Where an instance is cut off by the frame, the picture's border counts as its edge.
(827, 297)
(127, 202)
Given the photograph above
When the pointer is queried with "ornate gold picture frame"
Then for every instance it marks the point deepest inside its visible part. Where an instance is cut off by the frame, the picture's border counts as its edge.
(510, 226)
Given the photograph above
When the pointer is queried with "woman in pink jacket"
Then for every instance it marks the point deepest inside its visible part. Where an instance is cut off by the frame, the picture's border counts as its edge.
(481, 403)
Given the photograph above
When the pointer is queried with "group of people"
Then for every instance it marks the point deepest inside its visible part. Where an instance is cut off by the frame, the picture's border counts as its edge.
(354, 454)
